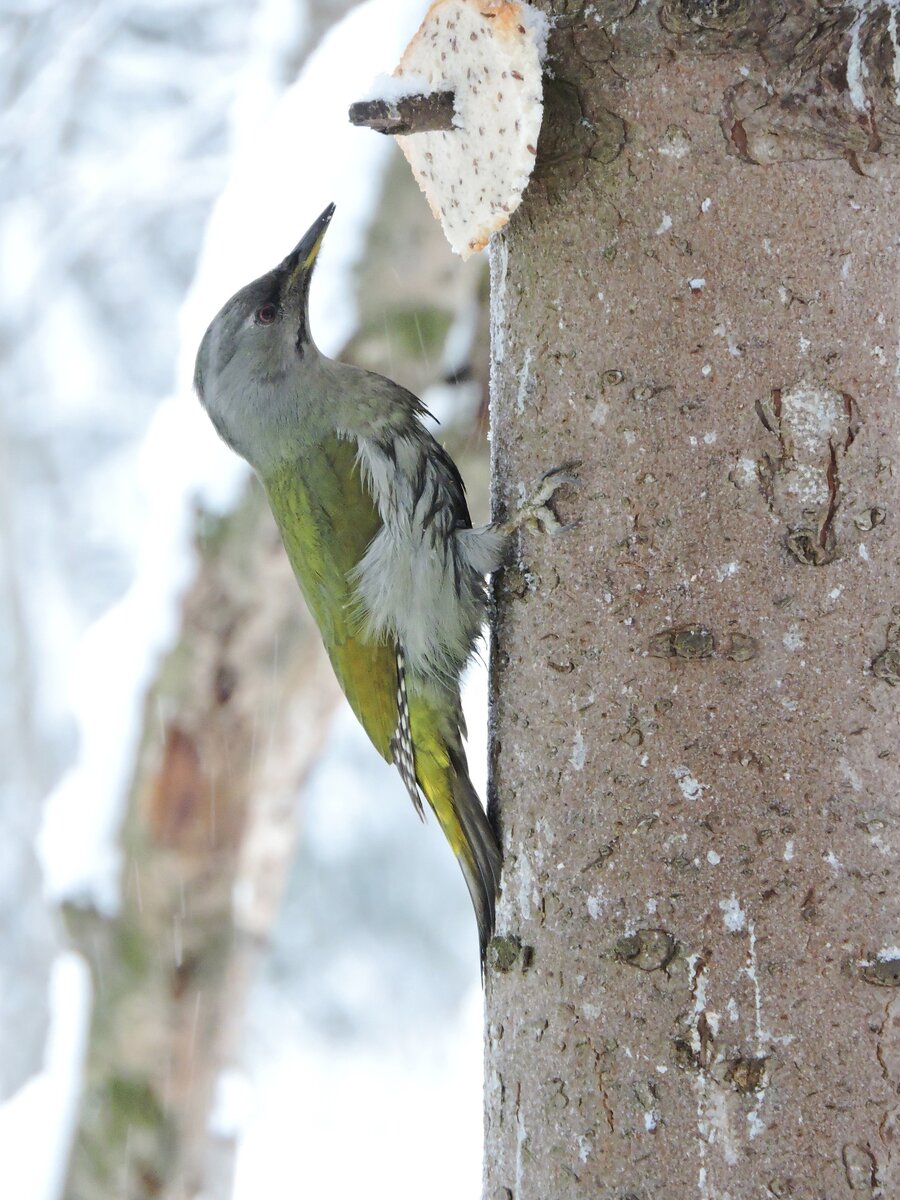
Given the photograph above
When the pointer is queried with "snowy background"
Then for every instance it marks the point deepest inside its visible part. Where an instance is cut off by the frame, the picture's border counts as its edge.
(153, 158)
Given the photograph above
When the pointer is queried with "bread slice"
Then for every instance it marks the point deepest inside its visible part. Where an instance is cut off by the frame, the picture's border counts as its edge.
(488, 52)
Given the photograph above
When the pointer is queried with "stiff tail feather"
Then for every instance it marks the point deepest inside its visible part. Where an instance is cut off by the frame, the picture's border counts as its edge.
(479, 856)
(442, 773)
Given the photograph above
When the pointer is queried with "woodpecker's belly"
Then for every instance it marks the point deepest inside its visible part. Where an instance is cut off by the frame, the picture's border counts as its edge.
(421, 579)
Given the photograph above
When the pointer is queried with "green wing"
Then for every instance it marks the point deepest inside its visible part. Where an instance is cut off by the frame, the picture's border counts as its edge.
(327, 520)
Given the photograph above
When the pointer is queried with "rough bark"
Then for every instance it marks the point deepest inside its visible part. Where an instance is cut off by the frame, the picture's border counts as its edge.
(693, 988)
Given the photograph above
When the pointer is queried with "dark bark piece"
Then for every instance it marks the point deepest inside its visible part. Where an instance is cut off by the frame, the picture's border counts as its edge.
(409, 114)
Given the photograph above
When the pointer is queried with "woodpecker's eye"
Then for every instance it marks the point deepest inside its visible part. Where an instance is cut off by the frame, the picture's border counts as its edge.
(266, 315)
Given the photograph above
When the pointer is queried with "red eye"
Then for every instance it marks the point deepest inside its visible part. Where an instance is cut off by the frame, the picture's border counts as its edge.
(266, 315)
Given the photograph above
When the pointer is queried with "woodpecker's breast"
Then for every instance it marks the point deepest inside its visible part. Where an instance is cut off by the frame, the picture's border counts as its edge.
(421, 579)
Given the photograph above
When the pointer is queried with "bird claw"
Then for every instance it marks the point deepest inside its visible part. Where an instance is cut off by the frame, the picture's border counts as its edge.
(536, 509)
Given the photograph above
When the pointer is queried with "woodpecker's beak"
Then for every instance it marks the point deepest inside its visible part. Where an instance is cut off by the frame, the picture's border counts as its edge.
(300, 261)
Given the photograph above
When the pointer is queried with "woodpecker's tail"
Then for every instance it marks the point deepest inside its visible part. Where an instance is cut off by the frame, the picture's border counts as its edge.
(443, 775)
(479, 856)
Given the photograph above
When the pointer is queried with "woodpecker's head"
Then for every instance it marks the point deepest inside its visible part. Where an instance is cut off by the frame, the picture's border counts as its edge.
(257, 339)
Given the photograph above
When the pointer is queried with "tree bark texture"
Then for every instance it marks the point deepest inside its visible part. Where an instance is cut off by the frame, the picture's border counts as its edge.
(693, 990)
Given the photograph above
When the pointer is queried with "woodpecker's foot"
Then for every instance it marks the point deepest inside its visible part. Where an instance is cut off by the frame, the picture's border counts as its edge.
(536, 509)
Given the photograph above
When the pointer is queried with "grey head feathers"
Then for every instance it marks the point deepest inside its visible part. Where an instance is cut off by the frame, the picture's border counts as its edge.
(248, 359)
(273, 397)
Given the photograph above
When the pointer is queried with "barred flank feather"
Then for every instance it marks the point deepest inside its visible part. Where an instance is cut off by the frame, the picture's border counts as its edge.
(402, 747)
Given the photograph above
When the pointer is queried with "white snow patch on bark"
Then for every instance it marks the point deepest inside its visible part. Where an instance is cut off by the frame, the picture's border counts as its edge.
(754, 1124)
(764, 1036)
(579, 751)
(746, 472)
(856, 67)
(521, 1137)
(524, 382)
(895, 42)
(600, 413)
(718, 1123)
(734, 916)
(850, 774)
(595, 903)
(792, 640)
(498, 253)
(813, 416)
(690, 787)
(525, 885)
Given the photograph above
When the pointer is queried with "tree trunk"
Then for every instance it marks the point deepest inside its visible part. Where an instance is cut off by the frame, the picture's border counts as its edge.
(693, 988)
(203, 865)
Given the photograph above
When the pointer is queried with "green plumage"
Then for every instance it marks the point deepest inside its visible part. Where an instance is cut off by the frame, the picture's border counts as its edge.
(374, 521)
(324, 547)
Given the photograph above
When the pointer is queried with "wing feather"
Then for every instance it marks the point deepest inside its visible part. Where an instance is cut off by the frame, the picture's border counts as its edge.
(326, 525)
